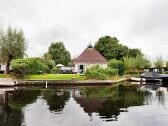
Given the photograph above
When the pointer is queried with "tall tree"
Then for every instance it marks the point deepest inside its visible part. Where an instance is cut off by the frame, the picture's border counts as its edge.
(147, 62)
(134, 52)
(12, 45)
(47, 56)
(110, 48)
(167, 65)
(136, 63)
(59, 53)
(129, 63)
(159, 63)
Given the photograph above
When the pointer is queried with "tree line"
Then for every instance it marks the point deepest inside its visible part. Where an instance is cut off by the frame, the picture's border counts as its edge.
(13, 45)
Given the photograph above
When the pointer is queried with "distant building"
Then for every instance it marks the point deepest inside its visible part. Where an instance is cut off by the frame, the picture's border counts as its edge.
(89, 57)
(2, 67)
(153, 68)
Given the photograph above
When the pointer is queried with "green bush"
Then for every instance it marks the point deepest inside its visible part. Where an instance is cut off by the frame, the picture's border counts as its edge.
(23, 67)
(117, 64)
(98, 73)
(55, 70)
(19, 69)
(95, 72)
(50, 64)
(111, 71)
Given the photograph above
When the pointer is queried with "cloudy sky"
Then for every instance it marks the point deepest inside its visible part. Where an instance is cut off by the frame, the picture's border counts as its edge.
(136, 23)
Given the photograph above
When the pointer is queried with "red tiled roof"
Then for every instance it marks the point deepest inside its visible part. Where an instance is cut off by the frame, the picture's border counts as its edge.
(90, 55)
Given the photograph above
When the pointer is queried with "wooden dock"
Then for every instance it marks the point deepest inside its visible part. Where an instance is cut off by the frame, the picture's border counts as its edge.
(11, 83)
(63, 82)
(7, 82)
(3, 90)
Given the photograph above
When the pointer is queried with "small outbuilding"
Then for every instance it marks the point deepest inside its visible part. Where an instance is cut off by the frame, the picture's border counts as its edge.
(2, 67)
(88, 58)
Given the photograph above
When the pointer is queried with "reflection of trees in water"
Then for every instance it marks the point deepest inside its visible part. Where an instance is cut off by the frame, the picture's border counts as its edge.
(159, 94)
(112, 107)
(11, 117)
(161, 97)
(109, 101)
(21, 97)
(56, 99)
(11, 114)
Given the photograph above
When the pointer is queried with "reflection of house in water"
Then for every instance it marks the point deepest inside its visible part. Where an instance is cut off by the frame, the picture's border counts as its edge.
(90, 105)
(110, 107)
(102, 106)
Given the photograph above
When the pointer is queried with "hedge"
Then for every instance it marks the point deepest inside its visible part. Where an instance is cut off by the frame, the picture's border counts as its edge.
(23, 67)
(117, 64)
(98, 73)
(95, 72)
(111, 72)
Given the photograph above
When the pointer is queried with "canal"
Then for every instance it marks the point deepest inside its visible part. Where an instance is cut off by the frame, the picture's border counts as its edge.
(84, 106)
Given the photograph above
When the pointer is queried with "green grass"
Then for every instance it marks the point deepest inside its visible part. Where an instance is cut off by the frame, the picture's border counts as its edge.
(54, 77)
(5, 76)
(132, 75)
(116, 77)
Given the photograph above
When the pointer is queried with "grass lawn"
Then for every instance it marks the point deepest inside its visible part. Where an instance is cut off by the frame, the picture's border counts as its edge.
(132, 75)
(5, 76)
(116, 77)
(54, 77)
(57, 77)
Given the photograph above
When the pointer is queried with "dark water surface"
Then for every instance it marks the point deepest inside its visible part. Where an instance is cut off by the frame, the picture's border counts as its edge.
(84, 106)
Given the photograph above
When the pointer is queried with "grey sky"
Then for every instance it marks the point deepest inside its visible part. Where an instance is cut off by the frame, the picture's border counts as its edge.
(136, 23)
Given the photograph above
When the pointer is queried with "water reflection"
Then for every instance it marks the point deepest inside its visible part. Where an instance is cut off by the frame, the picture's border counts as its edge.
(12, 103)
(56, 99)
(87, 106)
(161, 97)
(10, 117)
(108, 102)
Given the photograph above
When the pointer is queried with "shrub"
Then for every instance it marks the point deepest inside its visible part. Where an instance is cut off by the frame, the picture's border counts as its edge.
(95, 72)
(111, 71)
(19, 69)
(55, 70)
(23, 67)
(50, 64)
(117, 64)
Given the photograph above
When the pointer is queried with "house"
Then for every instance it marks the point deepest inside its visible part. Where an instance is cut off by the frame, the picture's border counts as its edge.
(89, 57)
(153, 68)
(2, 67)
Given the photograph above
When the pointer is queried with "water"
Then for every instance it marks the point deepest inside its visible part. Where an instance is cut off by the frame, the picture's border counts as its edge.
(84, 106)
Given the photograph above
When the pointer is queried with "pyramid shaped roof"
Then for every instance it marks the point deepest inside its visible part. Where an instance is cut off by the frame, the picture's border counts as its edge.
(90, 55)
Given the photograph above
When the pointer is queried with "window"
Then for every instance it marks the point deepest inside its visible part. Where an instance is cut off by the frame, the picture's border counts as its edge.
(81, 67)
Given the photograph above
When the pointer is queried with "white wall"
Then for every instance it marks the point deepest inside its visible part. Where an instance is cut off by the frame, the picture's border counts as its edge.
(2, 68)
(87, 66)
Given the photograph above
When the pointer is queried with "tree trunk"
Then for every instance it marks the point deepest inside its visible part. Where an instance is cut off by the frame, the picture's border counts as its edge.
(7, 68)
(8, 64)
